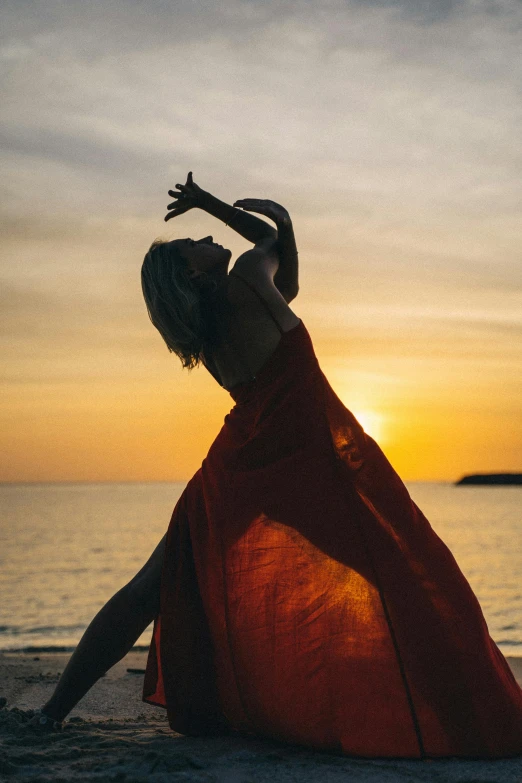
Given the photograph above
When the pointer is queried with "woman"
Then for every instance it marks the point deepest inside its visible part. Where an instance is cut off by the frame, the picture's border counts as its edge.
(299, 593)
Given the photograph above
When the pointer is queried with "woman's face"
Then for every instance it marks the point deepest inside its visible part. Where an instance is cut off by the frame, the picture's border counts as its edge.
(203, 255)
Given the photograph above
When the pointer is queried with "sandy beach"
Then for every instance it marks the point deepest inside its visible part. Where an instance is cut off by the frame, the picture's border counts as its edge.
(113, 736)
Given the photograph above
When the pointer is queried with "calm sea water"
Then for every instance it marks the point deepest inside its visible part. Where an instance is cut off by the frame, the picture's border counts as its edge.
(66, 548)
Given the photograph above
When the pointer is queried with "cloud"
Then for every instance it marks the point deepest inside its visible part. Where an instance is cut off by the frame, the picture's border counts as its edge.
(425, 11)
(356, 92)
(406, 116)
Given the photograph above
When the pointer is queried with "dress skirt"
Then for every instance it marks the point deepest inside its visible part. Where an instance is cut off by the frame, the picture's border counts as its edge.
(306, 598)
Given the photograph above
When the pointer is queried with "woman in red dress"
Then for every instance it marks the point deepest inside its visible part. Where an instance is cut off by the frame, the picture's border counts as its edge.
(299, 594)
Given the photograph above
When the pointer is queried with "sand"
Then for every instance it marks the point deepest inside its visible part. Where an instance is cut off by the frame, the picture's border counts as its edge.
(113, 736)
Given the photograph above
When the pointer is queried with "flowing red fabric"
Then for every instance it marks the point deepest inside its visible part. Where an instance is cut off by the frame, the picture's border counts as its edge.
(306, 598)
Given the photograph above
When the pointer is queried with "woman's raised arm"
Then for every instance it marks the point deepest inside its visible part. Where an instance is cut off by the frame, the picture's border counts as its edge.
(250, 227)
(191, 195)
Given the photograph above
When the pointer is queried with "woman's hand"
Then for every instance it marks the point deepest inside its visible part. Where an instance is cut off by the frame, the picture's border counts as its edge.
(189, 196)
(270, 209)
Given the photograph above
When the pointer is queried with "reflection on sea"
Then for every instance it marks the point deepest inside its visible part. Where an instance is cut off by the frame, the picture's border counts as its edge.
(65, 548)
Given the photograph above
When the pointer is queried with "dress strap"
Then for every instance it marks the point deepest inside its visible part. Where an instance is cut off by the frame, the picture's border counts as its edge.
(256, 292)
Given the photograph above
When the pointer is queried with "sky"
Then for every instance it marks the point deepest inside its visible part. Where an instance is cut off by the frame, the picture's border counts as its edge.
(391, 133)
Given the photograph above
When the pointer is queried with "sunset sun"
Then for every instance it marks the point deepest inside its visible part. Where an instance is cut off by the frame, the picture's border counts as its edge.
(373, 423)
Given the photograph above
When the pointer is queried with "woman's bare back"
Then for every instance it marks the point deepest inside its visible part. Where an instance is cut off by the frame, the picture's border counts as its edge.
(249, 329)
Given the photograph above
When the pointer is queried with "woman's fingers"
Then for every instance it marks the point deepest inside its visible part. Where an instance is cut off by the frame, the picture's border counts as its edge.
(179, 195)
(254, 207)
(264, 206)
(184, 201)
(175, 213)
(257, 200)
(185, 198)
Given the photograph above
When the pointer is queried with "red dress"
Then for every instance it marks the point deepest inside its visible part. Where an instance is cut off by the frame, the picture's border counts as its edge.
(306, 598)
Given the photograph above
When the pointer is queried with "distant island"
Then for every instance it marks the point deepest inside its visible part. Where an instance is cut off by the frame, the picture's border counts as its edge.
(491, 478)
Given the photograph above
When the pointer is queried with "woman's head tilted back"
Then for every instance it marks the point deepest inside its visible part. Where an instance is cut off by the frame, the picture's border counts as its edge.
(177, 279)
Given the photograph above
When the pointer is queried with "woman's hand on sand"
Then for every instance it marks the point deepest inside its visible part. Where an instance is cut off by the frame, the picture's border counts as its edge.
(187, 197)
(270, 209)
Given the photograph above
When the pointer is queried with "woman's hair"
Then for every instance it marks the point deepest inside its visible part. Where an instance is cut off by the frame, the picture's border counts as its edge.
(177, 305)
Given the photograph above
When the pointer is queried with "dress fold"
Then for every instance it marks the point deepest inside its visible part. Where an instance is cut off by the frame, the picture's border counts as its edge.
(306, 598)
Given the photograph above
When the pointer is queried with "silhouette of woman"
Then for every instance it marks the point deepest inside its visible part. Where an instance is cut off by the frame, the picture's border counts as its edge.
(299, 592)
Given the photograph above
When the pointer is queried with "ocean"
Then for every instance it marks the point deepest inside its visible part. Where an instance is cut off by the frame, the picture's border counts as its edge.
(66, 548)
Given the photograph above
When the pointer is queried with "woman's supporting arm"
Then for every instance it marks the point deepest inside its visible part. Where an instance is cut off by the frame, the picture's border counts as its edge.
(286, 279)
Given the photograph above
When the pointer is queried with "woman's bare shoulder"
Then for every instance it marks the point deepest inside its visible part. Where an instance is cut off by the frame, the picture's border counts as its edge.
(250, 281)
